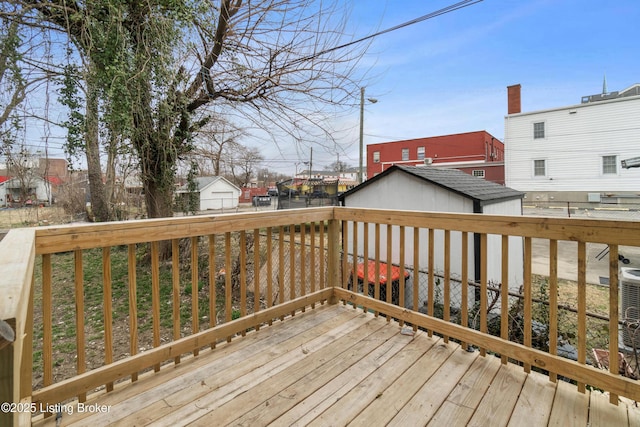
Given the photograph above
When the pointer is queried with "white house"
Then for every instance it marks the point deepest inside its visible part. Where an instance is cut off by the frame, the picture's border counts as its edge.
(442, 190)
(215, 192)
(35, 189)
(574, 153)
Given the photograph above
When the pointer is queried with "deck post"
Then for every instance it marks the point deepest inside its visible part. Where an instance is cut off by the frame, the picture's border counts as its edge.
(16, 312)
(333, 263)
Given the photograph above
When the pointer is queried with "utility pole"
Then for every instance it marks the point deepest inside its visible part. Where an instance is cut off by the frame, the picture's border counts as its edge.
(373, 101)
(361, 134)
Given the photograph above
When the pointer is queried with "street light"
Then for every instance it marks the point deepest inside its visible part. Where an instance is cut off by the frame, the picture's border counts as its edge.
(373, 101)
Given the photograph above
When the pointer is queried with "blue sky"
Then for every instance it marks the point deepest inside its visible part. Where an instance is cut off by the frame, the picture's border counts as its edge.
(449, 74)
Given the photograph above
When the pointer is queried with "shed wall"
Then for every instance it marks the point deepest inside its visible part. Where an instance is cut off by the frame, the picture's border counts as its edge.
(405, 192)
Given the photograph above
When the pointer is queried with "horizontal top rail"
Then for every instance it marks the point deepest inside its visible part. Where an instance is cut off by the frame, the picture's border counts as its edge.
(84, 236)
(584, 230)
(64, 238)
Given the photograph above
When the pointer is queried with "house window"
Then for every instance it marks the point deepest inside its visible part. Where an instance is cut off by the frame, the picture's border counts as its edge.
(405, 154)
(376, 157)
(538, 130)
(420, 153)
(478, 173)
(539, 168)
(609, 165)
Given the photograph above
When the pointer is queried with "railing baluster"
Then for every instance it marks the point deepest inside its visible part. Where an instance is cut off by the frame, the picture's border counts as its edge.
(312, 259)
(321, 252)
(553, 302)
(243, 276)
(416, 271)
(446, 304)
(175, 290)
(79, 295)
(228, 308)
(376, 284)
(353, 274)
(155, 297)
(195, 309)
(401, 260)
(256, 273)
(389, 287)
(47, 313)
(281, 266)
(133, 304)
(527, 283)
(431, 277)
(582, 309)
(269, 269)
(107, 310)
(504, 293)
(333, 255)
(365, 261)
(303, 261)
(483, 287)
(292, 264)
(345, 256)
(464, 283)
(614, 315)
(212, 284)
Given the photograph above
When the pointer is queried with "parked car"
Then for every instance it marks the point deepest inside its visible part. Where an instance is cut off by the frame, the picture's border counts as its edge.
(289, 192)
(319, 194)
(261, 200)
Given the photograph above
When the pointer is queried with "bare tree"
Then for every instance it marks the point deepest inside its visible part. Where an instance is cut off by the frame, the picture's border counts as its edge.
(22, 167)
(210, 144)
(242, 163)
(338, 166)
(18, 75)
(275, 63)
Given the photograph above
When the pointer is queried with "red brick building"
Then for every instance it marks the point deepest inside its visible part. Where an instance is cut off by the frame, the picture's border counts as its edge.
(476, 153)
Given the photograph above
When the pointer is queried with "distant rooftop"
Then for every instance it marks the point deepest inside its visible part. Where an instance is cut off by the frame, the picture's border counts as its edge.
(633, 90)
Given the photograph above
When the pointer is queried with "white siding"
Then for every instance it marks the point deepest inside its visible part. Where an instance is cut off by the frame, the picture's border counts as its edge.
(220, 194)
(576, 139)
(494, 246)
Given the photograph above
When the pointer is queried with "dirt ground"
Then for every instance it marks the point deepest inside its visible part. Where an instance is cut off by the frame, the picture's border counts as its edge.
(32, 216)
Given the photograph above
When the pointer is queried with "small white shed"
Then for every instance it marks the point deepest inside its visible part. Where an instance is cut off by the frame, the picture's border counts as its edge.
(215, 192)
(443, 190)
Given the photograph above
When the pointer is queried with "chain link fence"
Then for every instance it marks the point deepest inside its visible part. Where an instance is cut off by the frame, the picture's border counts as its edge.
(618, 211)
(597, 323)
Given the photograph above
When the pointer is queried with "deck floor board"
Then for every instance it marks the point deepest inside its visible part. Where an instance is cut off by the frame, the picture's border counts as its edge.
(334, 365)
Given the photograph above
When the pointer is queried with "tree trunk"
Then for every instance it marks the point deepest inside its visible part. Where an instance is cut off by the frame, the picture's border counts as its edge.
(159, 200)
(99, 204)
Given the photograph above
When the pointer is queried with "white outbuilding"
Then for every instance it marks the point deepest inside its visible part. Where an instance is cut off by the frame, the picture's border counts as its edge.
(431, 189)
(214, 192)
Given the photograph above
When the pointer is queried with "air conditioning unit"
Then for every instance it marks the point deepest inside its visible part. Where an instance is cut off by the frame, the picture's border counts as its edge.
(630, 305)
(428, 161)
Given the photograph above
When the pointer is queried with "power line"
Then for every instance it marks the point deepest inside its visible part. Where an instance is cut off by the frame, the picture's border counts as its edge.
(445, 10)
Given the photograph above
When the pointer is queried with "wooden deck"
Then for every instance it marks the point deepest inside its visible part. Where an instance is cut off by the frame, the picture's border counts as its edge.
(336, 366)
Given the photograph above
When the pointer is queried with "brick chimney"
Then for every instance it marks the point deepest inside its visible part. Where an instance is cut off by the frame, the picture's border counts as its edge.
(513, 99)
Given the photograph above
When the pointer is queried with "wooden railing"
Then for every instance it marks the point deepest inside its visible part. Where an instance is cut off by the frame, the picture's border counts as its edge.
(121, 298)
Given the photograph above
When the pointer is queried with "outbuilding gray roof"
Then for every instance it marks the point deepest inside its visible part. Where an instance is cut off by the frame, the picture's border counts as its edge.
(477, 189)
